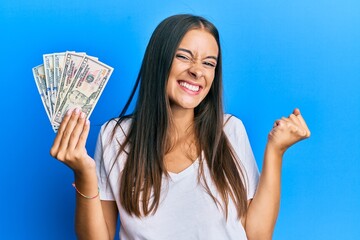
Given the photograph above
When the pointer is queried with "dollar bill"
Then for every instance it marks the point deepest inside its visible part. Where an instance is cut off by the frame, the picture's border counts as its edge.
(40, 80)
(59, 59)
(85, 88)
(49, 74)
(72, 63)
(67, 80)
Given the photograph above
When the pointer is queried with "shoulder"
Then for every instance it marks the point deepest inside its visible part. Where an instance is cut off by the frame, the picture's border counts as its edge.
(112, 136)
(115, 129)
(233, 126)
(235, 131)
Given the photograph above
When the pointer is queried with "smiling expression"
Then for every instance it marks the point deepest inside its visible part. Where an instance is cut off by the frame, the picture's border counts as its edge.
(193, 69)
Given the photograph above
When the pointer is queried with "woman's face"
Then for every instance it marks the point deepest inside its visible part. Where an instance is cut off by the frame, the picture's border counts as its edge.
(193, 69)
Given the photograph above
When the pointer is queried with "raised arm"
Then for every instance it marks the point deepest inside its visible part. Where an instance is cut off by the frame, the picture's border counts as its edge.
(92, 221)
(264, 207)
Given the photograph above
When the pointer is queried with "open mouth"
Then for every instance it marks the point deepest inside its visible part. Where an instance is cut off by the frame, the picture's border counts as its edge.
(190, 87)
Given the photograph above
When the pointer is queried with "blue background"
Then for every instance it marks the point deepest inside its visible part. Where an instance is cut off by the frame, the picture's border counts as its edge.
(278, 55)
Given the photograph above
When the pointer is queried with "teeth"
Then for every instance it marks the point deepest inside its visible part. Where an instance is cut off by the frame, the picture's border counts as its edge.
(190, 87)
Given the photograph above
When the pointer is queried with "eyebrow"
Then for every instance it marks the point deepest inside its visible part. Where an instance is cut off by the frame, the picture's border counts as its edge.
(192, 55)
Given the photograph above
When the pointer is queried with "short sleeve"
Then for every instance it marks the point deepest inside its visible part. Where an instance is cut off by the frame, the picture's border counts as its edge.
(102, 175)
(236, 133)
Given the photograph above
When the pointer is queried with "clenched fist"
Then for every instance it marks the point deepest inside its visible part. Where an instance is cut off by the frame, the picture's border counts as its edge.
(288, 131)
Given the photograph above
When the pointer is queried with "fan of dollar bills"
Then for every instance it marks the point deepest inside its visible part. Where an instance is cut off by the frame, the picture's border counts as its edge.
(70, 80)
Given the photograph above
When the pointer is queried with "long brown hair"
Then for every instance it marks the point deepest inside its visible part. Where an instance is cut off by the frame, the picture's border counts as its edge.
(147, 140)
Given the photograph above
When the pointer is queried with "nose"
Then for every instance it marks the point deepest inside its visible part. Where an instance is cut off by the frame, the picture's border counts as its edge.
(196, 72)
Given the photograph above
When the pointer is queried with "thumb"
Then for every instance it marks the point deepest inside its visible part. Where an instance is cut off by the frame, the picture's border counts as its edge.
(296, 112)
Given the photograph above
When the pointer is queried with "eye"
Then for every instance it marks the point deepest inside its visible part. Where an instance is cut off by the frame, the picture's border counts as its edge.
(182, 57)
(209, 64)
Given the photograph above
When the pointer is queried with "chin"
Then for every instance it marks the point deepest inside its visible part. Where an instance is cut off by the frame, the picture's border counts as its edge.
(185, 105)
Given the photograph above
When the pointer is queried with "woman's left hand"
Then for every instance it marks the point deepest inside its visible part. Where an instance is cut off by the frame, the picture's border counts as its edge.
(288, 131)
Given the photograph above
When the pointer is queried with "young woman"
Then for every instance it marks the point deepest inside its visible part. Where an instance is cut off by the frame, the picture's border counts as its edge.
(177, 167)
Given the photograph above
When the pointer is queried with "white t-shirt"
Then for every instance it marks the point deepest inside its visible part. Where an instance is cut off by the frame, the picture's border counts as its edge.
(185, 211)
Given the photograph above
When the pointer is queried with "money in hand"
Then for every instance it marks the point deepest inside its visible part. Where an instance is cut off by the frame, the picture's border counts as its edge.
(40, 80)
(70, 80)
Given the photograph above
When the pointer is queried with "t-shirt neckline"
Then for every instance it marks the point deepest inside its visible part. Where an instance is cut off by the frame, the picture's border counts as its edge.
(190, 169)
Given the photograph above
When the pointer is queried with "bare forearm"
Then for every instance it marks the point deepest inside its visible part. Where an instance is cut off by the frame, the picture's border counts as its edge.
(69, 148)
(264, 208)
(89, 218)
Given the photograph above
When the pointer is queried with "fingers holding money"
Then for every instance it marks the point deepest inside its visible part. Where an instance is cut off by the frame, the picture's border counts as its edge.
(69, 144)
(80, 133)
(55, 147)
(69, 134)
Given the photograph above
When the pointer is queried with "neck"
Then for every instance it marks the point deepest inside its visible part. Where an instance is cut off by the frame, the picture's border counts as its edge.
(183, 120)
(182, 133)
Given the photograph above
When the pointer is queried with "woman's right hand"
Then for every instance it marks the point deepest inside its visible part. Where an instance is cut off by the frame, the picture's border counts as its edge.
(69, 144)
